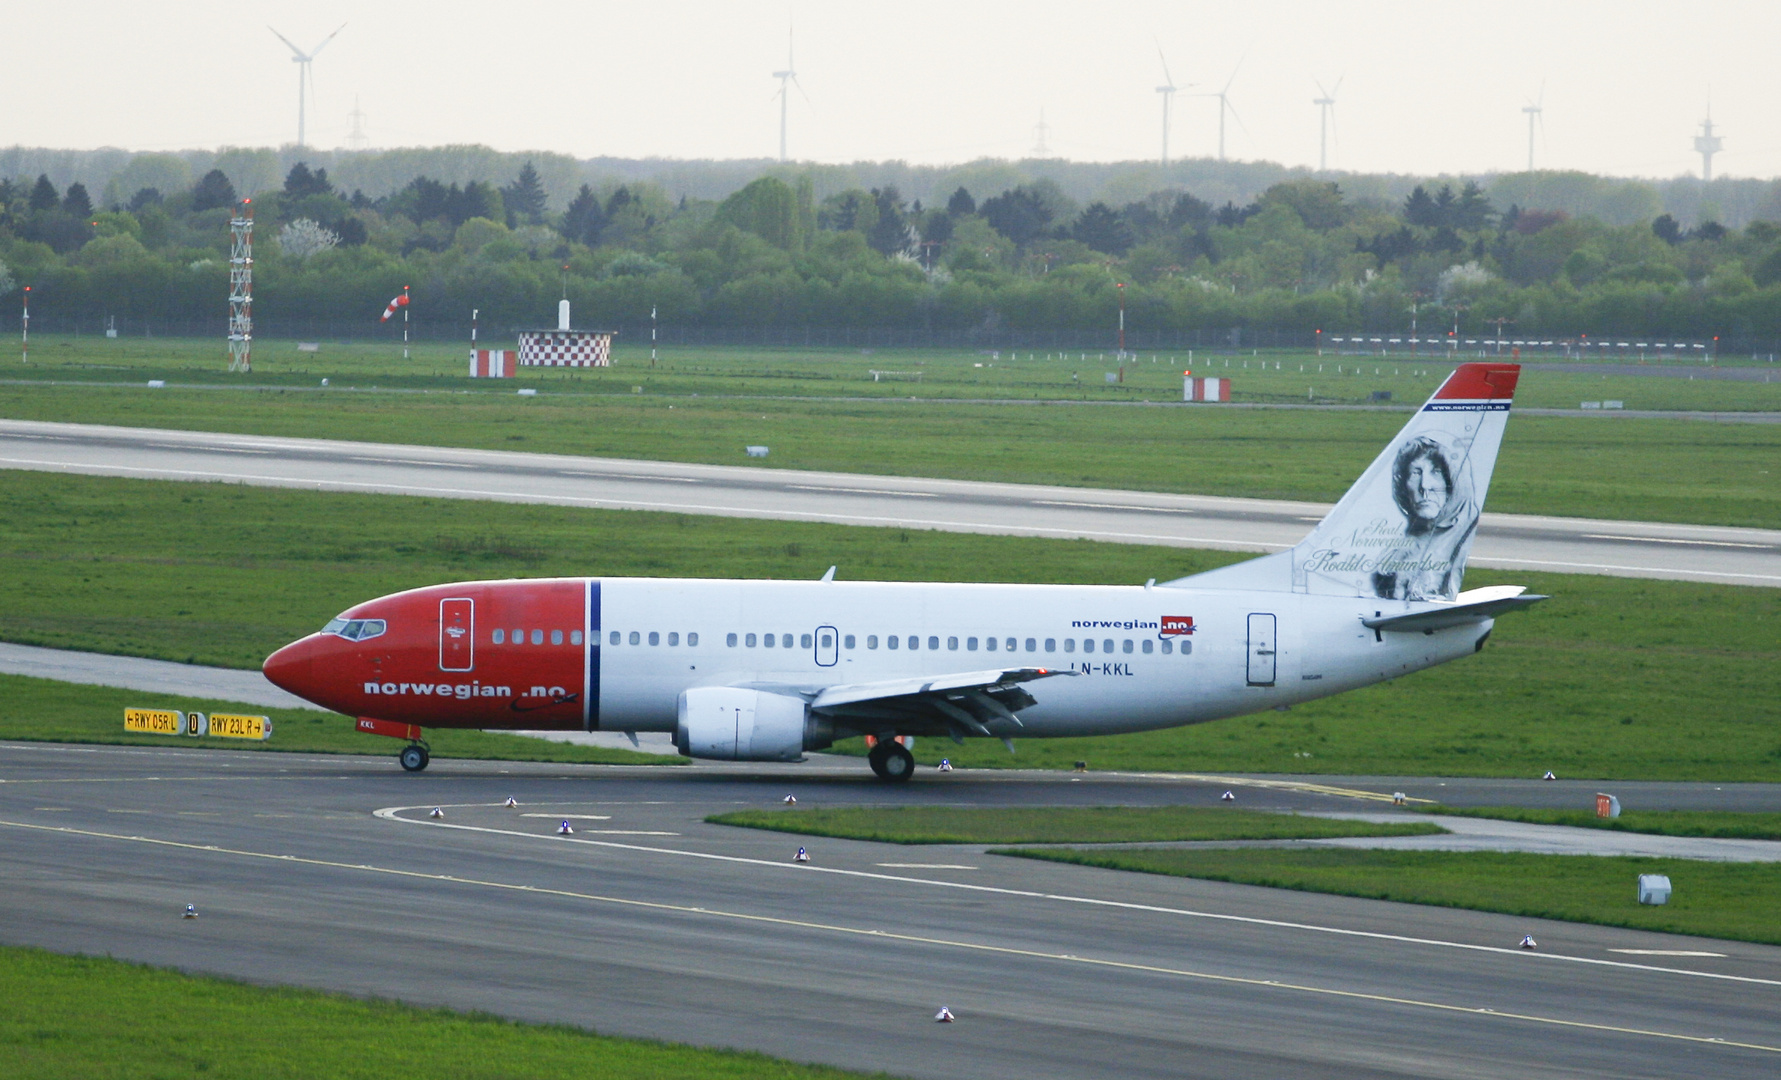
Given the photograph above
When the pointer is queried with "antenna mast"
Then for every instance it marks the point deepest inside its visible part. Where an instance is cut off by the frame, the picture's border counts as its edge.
(241, 287)
(1707, 144)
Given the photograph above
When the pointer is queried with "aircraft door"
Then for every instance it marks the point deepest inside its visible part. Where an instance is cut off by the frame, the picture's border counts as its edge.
(1262, 647)
(828, 645)
(457, 634)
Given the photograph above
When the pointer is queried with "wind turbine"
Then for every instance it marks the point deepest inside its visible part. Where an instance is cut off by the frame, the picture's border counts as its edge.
(305, 79)
(1326, 115)
(1167, 90)
(787, 79)
(1534, 110)
(1224, 105)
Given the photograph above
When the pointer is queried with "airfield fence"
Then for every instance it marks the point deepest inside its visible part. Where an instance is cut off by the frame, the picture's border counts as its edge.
(1220, 341)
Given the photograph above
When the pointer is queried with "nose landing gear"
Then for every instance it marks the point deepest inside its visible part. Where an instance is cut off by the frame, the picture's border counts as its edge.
(892, 761)
(414, 756)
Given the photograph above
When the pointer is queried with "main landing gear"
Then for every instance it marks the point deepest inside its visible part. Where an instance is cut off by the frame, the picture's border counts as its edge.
(892, 761)
(414, 756)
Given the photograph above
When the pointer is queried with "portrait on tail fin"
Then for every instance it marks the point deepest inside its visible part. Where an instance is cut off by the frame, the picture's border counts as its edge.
(1431, 483)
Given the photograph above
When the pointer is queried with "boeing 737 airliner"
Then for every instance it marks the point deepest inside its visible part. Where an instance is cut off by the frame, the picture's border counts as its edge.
(766, 670)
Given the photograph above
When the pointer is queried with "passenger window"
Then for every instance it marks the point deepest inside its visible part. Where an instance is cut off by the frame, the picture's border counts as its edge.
(1186, 647)
(1148, 645)
(769, 640)
(914, 642)
(1088, 644)
(692, 640)
(828, 641)
(1168, 647)
(871, 641)
(750, 641)
(1069, 644)
(1051, 644)
(537, 637)
(636, 638)
(655, 638)
(847, 642)
(933, 643)
(730, 641)
(1107, 646)
(786, 640)
(1127, 646)
(803, 641)
(498, 637)
(953, 644)
(989, 644)
(970, 644)
(519, 637)
(1010, 643)
(575, 637)
(556, 637)
(614, 638)
(673, 639)
(1032, 645)
(892, 641)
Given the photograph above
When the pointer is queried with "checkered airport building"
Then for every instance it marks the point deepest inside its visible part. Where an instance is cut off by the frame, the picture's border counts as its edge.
(565, 348)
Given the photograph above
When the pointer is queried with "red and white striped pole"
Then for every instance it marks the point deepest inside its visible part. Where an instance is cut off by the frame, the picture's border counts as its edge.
(25, 333)
(404, 322)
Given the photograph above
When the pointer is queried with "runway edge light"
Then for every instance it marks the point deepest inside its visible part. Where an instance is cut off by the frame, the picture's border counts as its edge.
(191, 912)
(1528, 942)
(437, 813)
(1229, 796)
(565, 829)
(944, 1016)
(790, 800)
(801, 856)
(510, 803)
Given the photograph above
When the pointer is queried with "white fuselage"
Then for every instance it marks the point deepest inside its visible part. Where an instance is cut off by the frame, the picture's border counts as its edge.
(1247, 651)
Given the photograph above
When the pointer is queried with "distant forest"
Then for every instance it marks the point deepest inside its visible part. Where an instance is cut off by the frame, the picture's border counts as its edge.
(975, 251)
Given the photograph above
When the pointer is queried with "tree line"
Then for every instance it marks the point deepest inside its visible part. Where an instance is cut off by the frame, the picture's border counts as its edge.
(1302, 255)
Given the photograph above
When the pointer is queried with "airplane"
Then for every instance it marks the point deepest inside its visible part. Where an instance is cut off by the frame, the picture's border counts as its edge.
(761, 670)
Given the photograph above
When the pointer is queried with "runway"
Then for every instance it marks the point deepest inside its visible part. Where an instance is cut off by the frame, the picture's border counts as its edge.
(1505, 541)
(327, 872)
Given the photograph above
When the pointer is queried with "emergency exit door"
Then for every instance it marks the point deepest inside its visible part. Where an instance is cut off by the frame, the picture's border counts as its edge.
(457, 634)
(1262, 647)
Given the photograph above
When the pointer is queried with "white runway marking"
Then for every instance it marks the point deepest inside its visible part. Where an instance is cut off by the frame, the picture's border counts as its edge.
(573, 817)
(924, 866)
(1665, 952)
(917, 939)
(393, 813)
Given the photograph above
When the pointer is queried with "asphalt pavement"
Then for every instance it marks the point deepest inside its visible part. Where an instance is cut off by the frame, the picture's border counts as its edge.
(330, 872)
(1505, 541)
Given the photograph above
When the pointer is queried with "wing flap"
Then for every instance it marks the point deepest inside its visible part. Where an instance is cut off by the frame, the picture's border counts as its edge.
(998, 679)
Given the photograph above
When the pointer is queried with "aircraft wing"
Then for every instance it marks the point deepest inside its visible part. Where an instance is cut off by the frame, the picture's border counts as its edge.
(1474, 605)
(958, 704)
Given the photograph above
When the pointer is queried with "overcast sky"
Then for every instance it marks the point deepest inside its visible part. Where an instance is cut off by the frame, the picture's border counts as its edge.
(1427, 86)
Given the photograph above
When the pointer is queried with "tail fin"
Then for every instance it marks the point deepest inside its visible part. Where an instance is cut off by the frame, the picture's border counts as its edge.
(1406, 526)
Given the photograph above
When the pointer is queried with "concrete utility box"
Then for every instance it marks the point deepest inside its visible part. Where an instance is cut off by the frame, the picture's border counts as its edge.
(1606, 806)
(1654, 889)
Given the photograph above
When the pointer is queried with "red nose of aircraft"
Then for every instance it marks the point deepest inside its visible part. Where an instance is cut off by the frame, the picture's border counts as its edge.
(293, 668)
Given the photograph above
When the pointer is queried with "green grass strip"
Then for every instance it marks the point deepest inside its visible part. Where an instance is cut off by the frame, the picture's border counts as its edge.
(1057, 824)
(49, 711)
(101, 1019)
(1719, 824)
(1736, 901)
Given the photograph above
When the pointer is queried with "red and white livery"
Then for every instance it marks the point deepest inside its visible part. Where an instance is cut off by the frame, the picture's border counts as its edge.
(767, 670)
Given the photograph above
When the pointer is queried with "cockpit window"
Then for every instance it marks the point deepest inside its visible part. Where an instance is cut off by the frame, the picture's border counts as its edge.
(356, 629)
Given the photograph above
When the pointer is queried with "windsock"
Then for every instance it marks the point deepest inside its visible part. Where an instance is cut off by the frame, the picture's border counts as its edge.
(399, 302)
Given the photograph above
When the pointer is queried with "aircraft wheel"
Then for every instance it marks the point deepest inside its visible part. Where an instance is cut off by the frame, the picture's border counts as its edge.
(413, 757)
(892, 761)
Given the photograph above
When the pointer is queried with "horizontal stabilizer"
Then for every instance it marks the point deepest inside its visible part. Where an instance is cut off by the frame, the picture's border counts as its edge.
(1472, 606)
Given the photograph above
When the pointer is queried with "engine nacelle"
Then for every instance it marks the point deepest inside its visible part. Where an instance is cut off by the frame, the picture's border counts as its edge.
(733, 724)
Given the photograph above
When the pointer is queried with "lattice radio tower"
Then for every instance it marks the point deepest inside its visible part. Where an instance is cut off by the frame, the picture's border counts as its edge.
(241, 288)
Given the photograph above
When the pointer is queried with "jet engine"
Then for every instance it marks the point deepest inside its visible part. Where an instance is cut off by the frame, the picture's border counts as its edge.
(734, 724)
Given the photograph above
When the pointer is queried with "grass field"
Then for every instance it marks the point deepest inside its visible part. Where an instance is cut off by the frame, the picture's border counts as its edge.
(1662, 470)
(1738, 901)
(1720, 824)
(1056, 824)
(1613, 678)
(88, 1018)
(1265, 376)
(45, 710)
